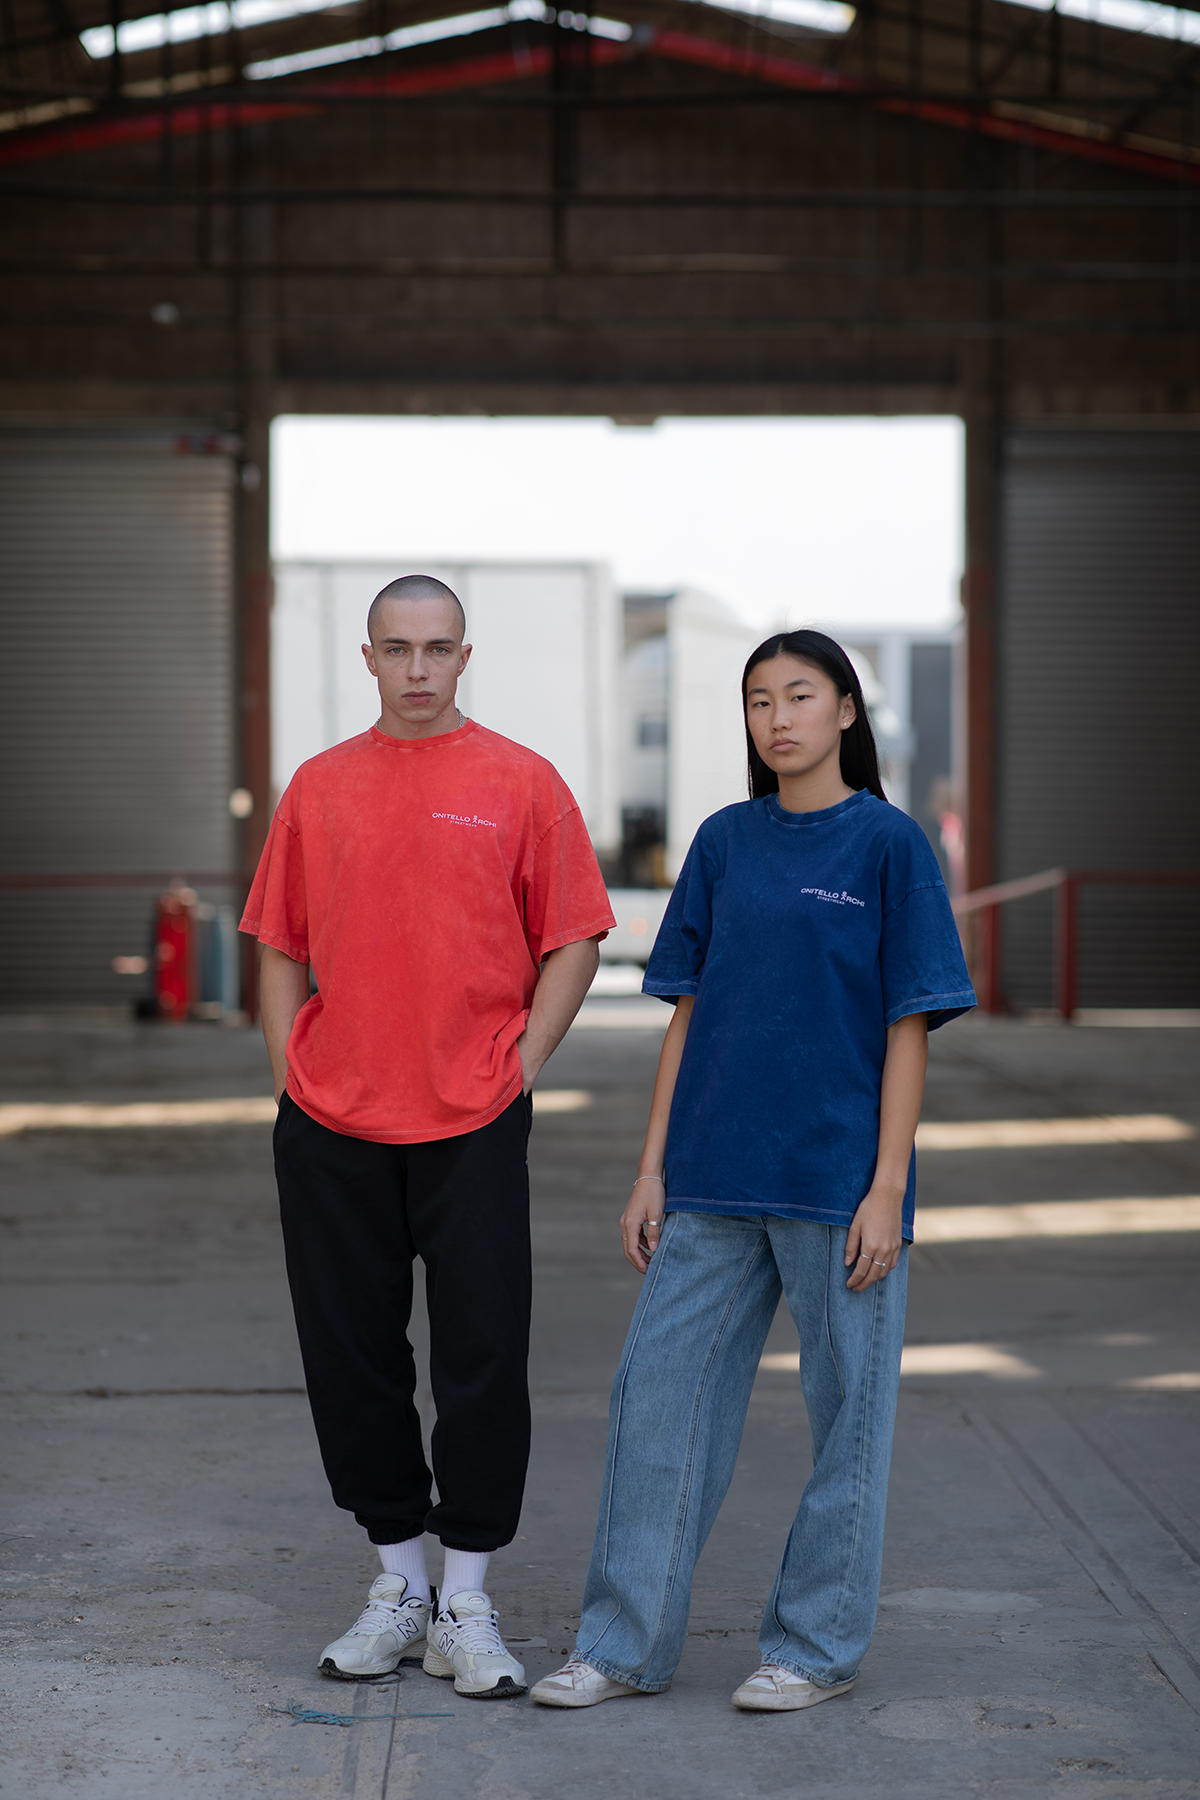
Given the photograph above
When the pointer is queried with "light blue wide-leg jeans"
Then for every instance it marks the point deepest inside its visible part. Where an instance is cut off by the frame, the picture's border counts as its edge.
(675, 1424)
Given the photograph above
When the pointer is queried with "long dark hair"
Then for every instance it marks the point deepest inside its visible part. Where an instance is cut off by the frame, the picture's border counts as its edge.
(859, 759)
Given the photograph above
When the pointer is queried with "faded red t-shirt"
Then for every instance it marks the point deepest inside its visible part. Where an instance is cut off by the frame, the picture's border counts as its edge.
(424, 879)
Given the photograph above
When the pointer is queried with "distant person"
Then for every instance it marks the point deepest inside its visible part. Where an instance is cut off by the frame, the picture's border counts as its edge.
(807, 946)
(442, 885)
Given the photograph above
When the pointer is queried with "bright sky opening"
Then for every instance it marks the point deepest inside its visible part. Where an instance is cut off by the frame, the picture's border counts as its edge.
(848, 522)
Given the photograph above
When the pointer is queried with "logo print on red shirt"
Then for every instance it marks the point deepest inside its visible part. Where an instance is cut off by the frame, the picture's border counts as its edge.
(471, 819)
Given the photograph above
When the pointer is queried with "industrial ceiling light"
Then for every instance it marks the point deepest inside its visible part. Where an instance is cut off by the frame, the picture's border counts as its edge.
(813, 15)
(187, 22)
(165, 313)
(1142, 16)
(217, 17)
(433, 31)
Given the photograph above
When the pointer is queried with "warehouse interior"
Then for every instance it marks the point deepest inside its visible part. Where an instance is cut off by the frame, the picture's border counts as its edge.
(216, 215)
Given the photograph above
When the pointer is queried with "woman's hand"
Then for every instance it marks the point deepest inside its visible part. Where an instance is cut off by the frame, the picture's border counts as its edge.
(874, 1240)
(642, 1221)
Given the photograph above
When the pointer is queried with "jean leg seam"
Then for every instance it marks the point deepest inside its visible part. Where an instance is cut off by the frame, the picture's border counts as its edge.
(829, 1339)
(655, 1271)
(828, 1328)
(689, 1464)
(868, 1383)
(829, 1345)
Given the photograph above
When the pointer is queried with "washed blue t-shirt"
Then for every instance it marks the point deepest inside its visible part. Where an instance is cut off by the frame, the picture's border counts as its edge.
(803, 936)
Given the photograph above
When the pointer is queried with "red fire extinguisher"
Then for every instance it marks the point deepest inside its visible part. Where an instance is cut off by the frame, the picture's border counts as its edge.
(174, 953)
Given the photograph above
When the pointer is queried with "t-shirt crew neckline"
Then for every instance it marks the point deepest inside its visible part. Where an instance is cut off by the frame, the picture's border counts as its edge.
(442, 740)
(827, 814)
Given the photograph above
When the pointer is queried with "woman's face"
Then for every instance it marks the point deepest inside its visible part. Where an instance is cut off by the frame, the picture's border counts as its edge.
(795, 714)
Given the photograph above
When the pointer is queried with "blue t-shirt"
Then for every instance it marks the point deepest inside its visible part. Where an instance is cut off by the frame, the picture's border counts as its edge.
(803, 936)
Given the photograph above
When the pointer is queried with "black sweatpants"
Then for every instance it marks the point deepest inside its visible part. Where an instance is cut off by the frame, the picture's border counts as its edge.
(354, 1215)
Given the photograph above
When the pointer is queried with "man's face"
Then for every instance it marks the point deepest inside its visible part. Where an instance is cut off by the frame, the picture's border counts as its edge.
(416, 654)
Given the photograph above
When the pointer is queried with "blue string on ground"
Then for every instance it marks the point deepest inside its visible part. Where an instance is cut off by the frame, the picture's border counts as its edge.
(308, 1715)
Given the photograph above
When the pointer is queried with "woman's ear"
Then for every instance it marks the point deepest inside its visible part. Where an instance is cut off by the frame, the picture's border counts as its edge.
(849, 713)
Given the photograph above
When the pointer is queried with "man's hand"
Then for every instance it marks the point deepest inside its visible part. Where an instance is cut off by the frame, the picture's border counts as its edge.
(282, 991)
(566, 976)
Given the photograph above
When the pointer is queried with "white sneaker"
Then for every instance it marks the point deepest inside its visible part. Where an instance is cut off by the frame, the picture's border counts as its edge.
(464, 1642)
(578, 1684)
(772, 1689)
(386, 1633)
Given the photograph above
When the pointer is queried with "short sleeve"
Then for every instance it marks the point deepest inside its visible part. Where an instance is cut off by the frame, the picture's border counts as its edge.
(683, 937)
(921, 959)
(565, 896)
(276, 906)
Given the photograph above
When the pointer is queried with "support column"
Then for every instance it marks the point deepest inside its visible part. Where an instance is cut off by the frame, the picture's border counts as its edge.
(254, 586)
(253, 307)
(254, 595)
(983, 936)
(978, 598)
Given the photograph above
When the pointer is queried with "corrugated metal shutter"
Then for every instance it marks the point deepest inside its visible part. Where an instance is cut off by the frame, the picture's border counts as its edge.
(116, 698)
(1099, 688)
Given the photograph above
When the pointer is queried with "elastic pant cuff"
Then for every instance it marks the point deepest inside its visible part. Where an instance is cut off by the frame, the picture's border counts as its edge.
(391, 1531)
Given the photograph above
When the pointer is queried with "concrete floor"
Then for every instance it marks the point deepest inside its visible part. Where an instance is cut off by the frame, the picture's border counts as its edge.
(172, 1564)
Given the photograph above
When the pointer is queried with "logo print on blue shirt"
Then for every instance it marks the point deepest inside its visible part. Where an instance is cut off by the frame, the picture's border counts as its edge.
(842, 899)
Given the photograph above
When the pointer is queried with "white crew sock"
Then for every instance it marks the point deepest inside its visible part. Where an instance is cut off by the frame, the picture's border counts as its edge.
(407, 1559)
(466, 1572)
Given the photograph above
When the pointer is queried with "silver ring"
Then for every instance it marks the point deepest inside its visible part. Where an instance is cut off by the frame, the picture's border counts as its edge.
(863, 1257)
(878, 1264)
(651, 1221)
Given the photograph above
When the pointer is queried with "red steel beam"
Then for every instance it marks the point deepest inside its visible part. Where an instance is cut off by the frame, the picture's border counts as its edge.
(782, 71)
(518, 64)
(142, 128)
(188, 121)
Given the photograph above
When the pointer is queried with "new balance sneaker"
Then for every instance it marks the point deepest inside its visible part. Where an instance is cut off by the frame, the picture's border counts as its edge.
(465, 1644)
(387, 1632)
(772, 1689)
(578, 1684)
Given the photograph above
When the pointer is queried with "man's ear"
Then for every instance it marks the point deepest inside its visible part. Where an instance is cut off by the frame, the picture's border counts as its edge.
(464, 657)
(368, 651)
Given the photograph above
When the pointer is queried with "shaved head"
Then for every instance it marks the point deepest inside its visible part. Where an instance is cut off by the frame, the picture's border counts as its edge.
(415, 587)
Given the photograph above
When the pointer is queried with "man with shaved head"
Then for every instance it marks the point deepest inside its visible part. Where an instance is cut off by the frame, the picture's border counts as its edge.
(439, 882)
(416, 587)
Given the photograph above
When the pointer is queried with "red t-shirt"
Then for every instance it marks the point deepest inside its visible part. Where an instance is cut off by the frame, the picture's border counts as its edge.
(425, 879)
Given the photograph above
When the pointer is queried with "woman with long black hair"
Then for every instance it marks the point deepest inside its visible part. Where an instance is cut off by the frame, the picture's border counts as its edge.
(808, 946)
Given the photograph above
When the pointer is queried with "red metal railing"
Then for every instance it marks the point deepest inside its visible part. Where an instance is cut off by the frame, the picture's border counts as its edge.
(988, 901)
